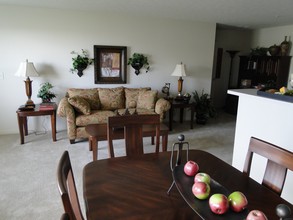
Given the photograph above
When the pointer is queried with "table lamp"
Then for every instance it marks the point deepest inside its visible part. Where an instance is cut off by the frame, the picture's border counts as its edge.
(27, 69)
(179, 71)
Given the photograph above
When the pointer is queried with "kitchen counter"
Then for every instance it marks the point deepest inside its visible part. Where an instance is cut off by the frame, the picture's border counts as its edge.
(265, 118)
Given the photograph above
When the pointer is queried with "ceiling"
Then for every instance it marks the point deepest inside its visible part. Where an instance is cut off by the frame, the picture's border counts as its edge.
(250, 14)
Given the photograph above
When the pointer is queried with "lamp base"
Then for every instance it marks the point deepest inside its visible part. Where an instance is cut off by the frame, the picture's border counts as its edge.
(30, 103)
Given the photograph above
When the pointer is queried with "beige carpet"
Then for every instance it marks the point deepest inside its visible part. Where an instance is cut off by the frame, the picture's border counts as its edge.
(28, 186)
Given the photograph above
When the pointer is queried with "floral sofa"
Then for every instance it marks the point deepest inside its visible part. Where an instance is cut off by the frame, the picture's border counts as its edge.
(93, 106)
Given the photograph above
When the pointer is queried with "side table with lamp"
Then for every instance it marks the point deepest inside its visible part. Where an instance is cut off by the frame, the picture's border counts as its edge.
(181, 101)
(27, 69)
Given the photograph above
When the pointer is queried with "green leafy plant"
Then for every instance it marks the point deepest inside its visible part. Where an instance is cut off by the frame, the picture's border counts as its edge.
(80, 61)
(45, 92)
(259, 51)
(138, 61)
(204, 107)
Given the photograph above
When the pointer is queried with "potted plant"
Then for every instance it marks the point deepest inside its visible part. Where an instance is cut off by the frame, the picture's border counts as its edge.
(80, 62)
(138, 61)
(204, 107)
(45, 92)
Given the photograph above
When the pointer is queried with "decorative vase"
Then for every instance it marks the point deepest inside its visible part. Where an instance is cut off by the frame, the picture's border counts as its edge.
(137, 67)
(274, 50)
(285, 47)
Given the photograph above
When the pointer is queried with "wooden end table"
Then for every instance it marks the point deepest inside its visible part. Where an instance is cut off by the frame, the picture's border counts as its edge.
(98, 132)
(22, 120)
(181, 106)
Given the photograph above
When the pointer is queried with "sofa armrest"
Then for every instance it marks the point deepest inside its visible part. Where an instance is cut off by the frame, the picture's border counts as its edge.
(64, 108)
(162, 106)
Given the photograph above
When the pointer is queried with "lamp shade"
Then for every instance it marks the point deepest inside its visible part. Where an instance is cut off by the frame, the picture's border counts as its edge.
(179, 70)
(26, 69)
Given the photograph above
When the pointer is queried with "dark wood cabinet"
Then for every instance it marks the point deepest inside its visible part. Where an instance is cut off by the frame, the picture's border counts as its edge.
(255, 70)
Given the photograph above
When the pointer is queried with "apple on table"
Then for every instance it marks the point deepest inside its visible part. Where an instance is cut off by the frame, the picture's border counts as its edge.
(191, 168)
(237, 201)
(219, 203)
(201, 190)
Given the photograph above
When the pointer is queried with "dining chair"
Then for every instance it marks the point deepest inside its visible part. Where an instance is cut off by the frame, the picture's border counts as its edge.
(67, 188)
(279, 161)
(133, 133)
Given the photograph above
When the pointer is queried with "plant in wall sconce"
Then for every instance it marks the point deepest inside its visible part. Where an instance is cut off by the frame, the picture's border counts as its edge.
(138, 61)
(80, 62)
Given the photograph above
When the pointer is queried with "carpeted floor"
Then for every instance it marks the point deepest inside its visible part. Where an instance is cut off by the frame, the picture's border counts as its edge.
(28, 185)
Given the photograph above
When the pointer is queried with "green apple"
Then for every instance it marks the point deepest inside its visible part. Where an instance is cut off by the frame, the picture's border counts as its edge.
(237, 201)
(219, 203)
(202, 177)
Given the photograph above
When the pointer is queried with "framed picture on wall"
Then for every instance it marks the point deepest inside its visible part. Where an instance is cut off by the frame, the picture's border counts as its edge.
(110, 64)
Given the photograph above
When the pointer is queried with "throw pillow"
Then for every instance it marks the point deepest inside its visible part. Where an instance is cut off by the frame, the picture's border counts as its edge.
(147, 99)
(112, 98)
(90, 95)
(80, 105)
(131, 96)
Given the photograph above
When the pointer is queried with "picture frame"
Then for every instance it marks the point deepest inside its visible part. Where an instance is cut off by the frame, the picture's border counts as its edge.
(110, 63)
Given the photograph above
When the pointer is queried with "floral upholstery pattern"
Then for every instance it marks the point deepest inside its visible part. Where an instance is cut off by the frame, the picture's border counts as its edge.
(106, 102)
(111, 99)
(131, 96)
(80, 105)
(90, 95)
(147, 99)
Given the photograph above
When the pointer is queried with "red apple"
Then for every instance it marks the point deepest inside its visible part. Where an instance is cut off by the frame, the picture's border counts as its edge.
(256, 215)
(219, 203)
(237, 201)
(191, 168)
(201, 190)
(202, 177)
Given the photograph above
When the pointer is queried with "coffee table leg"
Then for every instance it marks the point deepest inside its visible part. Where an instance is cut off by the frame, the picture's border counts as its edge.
(94, 146)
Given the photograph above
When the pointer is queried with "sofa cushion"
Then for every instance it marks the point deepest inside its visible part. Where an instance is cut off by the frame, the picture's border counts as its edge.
(147, 99)
(90, 95)
(112, 98)
(96, 117)
(131, 96)
(80, 105)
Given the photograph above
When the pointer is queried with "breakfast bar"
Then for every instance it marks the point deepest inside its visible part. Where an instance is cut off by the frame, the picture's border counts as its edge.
(265, 118)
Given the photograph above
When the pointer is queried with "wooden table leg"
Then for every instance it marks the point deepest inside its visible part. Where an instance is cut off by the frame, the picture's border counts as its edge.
(181, 115)
(164, 142)
(21, 128)
(191, 117)
(24, 123)
(90, 143)
(94, 146)
(53, 125)
(171, 118)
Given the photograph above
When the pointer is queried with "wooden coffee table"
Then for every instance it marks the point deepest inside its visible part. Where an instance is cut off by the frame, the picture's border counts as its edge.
(98, 132)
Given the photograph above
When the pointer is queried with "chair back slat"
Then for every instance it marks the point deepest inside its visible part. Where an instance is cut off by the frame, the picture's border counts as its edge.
(279, 161)
(133, 131)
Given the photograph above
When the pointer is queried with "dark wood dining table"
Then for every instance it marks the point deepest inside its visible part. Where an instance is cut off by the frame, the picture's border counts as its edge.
(136, 188)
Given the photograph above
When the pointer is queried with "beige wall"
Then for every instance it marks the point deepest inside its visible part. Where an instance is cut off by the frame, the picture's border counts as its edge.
(46, 37)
